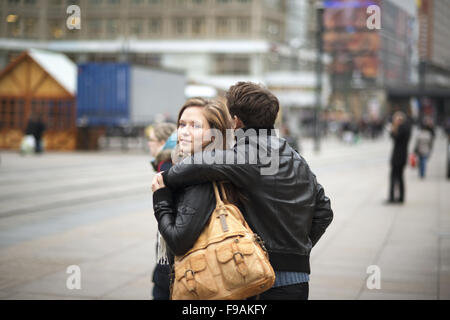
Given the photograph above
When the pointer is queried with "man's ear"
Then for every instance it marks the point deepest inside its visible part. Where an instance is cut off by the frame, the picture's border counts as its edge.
(237, 123)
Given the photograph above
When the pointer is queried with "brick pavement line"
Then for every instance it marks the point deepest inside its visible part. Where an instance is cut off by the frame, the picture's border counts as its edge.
(69, 297)
(24, 282)
(441, 233)
(13, 175)
(439, 262)
(344, 225)
(401, 209)
(71, 202)
(92, 184)
(436, 164)
(99, 258)
(51, 237)
(89, 213)
(380, 250)
(64, 175)
(397, 214)
(35, 188)
(63, 157)
(439, 249)
(124, 285)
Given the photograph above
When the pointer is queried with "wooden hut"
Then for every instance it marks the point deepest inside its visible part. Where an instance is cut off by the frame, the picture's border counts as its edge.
(44, 83)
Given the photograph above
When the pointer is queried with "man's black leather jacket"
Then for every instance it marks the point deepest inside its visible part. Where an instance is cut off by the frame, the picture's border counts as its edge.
(288, 208)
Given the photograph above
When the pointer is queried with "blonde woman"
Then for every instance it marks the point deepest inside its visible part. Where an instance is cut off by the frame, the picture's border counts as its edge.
(183, 213)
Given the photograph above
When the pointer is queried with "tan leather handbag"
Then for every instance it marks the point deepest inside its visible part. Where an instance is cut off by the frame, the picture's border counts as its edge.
(228, 261)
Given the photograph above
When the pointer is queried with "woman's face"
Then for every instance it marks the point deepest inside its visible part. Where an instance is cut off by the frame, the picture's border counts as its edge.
(154, 144)
(193, 130)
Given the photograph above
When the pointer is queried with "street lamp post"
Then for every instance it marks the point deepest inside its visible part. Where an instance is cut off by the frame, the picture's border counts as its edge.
(422, 87)
(319, 71)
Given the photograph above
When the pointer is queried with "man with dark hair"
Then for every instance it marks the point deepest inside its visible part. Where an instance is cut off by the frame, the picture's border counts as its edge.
(253, 105)
(287, 208)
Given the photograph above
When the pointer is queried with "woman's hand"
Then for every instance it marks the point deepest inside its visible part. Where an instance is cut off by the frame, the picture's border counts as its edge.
(158, 182)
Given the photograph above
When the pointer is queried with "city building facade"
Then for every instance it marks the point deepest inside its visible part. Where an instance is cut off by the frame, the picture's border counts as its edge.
(215, 42)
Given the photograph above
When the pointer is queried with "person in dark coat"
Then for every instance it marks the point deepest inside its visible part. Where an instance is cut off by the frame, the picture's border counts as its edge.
(400, 134)
(36, 128)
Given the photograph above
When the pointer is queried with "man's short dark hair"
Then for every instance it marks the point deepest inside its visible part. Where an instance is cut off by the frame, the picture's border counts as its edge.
(253, 104)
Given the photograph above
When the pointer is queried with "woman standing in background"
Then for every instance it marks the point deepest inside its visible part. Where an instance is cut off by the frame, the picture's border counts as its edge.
(161, 140)
(424, 145)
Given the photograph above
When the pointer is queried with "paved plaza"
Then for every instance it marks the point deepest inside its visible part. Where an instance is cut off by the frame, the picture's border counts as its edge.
(94, 210)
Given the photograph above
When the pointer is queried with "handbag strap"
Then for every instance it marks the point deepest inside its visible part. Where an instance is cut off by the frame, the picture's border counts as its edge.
(219, 201)
(222, 189)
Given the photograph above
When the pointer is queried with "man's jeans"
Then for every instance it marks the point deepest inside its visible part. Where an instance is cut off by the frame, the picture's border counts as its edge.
(298, 291)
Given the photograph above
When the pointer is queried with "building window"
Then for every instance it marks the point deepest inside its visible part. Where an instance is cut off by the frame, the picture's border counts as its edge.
(154, 26)
(243, 25)
(226, 64)
(30, 2)
(154, 1)
(113, 26)
(137, 27)
(223, 25)
(94, 28)
(114, 2)
(198, 1)
(56, 28)
(180, 25)
(13, 25)
(223, 1)
(198, 26)
(30, 26)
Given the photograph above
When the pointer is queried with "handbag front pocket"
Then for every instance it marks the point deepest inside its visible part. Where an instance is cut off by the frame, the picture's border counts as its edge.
(239, 263)
(193, 279)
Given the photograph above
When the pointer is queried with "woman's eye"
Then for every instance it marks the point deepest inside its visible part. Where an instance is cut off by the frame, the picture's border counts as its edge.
(197, 126)
(181, 125)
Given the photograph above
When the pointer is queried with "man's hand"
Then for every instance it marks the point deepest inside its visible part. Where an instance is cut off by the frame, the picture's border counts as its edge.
(158, 182)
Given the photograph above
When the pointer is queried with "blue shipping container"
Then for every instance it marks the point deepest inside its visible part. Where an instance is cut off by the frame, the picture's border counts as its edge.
(103, 97)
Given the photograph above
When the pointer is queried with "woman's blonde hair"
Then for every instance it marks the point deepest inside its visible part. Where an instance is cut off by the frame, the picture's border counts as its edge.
(218, 117)
(162, 131)
(215, 112)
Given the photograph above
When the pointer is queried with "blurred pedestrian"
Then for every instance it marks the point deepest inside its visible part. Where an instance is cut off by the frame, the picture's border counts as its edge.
(36, 128)
(160, 145)
(290, 139)
(424, 145)
(161, 141)
(400, 134)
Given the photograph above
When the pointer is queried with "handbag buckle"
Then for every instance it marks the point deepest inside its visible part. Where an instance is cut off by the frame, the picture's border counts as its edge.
(240, 260)
(192, 274)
